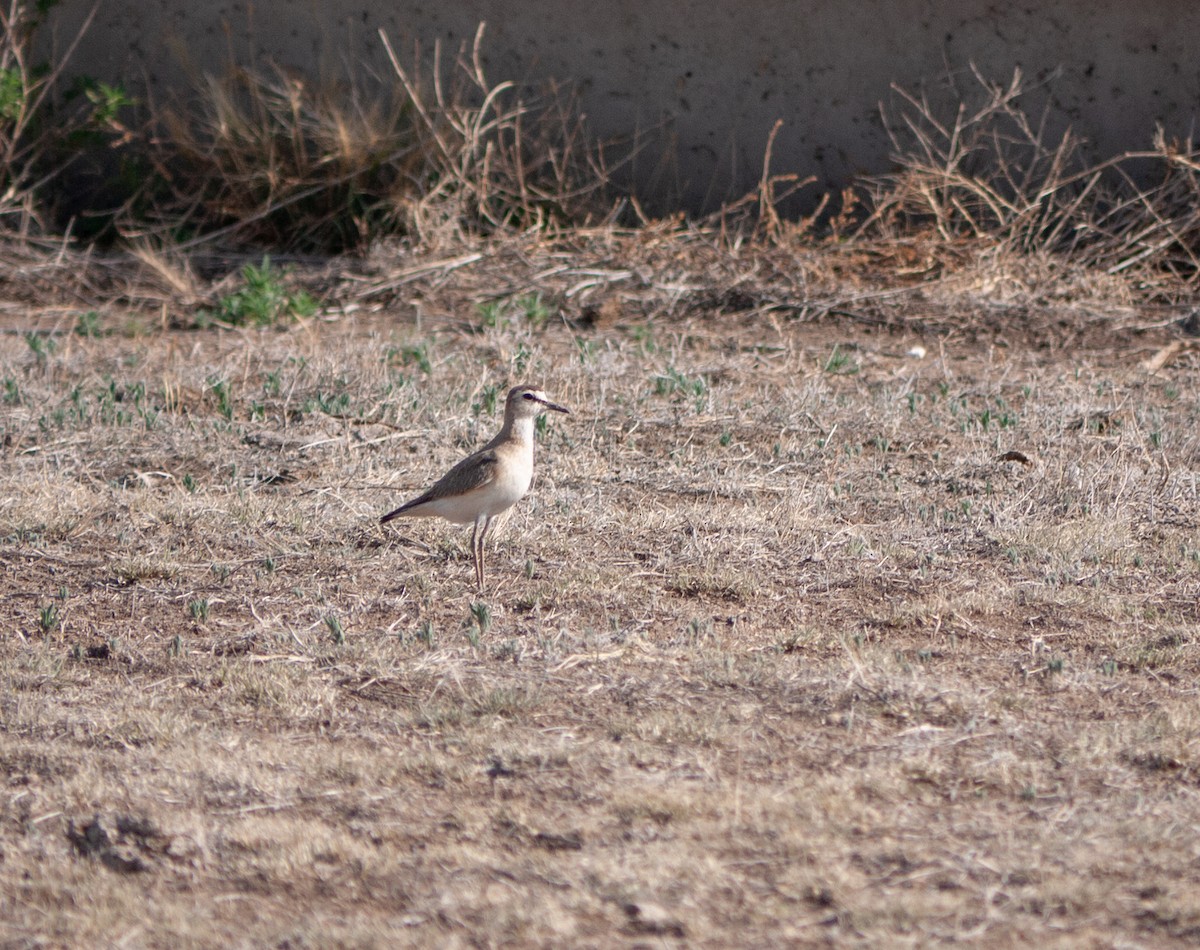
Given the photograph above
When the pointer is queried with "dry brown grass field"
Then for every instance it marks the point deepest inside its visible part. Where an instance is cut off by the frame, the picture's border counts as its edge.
(855, 604)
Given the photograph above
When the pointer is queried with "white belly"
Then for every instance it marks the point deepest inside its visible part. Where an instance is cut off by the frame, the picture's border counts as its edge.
(490, 500)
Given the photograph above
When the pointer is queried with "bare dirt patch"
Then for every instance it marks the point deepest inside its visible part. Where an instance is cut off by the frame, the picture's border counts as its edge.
(856, 603)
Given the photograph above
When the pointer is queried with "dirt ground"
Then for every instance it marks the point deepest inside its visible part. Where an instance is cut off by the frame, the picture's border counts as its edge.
(856, 603)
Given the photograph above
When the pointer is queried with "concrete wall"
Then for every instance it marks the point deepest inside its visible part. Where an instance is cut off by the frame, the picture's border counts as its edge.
(710, 77)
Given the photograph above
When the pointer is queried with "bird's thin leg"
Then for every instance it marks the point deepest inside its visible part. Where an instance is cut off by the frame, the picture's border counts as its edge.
(475, 549)
(487, 523)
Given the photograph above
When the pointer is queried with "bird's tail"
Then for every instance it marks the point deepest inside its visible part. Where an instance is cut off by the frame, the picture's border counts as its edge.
(404, 509)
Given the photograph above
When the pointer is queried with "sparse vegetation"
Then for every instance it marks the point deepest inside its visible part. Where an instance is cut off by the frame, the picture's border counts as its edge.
(847, 607)
(262, 300)
(873, 616)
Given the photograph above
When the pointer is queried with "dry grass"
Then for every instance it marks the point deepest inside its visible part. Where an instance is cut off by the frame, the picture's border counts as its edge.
(779, 650)
(265, 157)
(988, 169)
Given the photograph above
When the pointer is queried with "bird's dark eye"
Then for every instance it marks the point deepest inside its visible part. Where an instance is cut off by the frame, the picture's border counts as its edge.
(529, 395)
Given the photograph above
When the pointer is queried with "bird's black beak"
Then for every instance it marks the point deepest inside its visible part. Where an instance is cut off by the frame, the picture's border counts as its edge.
(554, 407)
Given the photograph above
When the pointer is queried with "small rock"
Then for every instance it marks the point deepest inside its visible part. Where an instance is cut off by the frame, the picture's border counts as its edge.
(646, 917)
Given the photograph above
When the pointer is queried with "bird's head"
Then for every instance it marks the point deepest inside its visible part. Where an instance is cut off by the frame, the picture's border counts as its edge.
(529, 401)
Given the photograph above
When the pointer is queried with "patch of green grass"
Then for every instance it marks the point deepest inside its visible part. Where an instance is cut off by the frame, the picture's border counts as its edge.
(521, 359)
(88, 325)
(198, 608)
(220, 390)
(263, 299)
(332, 404)
(41, 345)
(481, 614)
(49, 618)
(486, 404)
(839, 363)
(492, 314)
(530, 309)
(416, 354)
(334, 624)
(272, 385)
(671, 382)
(586, 349)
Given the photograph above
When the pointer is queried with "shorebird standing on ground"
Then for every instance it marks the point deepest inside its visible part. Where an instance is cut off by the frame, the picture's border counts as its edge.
(490, 481)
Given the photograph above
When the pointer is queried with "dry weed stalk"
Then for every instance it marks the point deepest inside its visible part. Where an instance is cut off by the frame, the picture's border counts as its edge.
(273, 158)
(993, 173)
(268, 157)
(498, 161)
(26, 89)
(756, 214)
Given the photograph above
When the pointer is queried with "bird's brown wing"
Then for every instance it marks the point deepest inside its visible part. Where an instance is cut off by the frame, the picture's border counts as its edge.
(473, 472)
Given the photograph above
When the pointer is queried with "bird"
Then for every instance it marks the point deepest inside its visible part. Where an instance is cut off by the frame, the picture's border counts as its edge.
(488, 482)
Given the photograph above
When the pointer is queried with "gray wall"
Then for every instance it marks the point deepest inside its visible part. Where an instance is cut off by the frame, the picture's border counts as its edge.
(708, 78)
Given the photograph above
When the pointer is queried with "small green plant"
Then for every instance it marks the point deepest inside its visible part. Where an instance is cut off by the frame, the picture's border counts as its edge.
(586, 349)
(44, 129)
(88, 324)
(220, 389)
(533, 308)
(491, 314)
(263, 299)
(699, 629)
(481, 613)
(49, 618)
(12, 391)
(107, 101)
(271, 383)
(521, 359)
(672, 383)
(499, 314)
(198, 608)
(643, 336)
(487, 401)
(41, 346)
(175, 647)
(332, 404)
(425, 633)
(335, 629)
(417, 355)
(840, 362)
